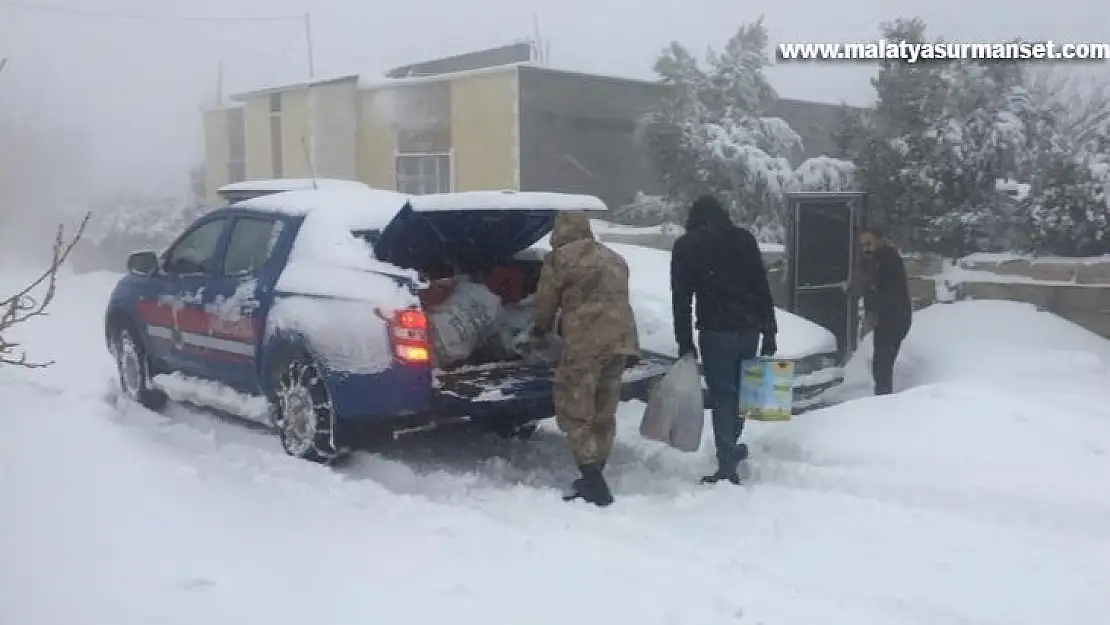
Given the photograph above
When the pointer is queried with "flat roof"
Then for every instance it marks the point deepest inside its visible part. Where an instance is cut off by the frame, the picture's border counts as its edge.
(381, 83)
(316, 82)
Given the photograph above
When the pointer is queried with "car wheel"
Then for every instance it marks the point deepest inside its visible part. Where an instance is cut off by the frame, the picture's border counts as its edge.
(303, 414)
(133, 368)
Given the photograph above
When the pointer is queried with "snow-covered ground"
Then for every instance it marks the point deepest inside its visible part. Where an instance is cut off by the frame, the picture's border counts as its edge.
(975, 495)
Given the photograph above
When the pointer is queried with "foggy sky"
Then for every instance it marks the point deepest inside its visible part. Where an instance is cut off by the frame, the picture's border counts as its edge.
(134, 89)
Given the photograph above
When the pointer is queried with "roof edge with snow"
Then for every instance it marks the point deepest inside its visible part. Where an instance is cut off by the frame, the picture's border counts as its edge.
(316, 82)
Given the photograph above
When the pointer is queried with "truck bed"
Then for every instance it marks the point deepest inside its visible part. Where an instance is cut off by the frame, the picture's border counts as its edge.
(501, 385)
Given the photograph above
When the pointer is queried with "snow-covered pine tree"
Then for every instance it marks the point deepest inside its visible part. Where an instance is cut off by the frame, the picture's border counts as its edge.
(1076, 103)
(940, 137)
(1067, 207)
(668, 130)
(981, 134)
(712, 134)
(892, 156)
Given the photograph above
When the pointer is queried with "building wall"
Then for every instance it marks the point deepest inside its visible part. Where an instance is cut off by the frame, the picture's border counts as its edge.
(814, 122)
(484, 130)
(256, 122)
(333, 110)
(377, 139)
(578, 135)
(295, 135)
(217, 151)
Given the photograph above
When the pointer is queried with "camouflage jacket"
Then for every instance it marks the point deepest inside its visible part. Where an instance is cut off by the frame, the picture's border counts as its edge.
(587, 283)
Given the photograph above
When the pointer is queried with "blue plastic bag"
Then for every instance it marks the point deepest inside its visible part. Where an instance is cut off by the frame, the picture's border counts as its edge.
(767, 389)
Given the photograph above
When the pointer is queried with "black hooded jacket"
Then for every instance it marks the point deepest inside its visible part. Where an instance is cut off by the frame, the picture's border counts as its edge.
(720, 266)
(888, 293)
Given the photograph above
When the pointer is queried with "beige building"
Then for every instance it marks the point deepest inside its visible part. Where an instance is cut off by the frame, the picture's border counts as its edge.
(485, 120)
(416, 135)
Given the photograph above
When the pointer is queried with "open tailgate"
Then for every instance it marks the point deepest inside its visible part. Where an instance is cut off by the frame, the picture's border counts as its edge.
(515, 385)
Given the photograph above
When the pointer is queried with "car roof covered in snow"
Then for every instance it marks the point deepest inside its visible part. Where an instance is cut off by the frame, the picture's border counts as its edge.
(361, 207)
(279, 185)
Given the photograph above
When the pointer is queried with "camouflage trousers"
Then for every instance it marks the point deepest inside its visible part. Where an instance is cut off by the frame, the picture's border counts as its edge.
(586, 395)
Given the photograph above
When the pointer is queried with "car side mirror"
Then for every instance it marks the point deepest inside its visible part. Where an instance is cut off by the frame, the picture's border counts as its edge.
(143, 263)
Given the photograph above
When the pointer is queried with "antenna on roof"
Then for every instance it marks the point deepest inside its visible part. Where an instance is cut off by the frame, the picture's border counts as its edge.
(537, 44)
(311, 165)
(220, 84)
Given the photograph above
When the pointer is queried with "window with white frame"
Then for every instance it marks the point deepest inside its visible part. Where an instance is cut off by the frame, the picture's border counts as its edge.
(418, 174)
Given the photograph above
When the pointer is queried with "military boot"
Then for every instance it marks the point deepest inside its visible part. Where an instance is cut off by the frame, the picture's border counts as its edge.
(577, 485)
(591, 486)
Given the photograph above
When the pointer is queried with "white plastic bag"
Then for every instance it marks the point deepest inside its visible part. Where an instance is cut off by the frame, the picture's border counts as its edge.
(538, 350)
(462, 322)
(675, 413)
(513, 323)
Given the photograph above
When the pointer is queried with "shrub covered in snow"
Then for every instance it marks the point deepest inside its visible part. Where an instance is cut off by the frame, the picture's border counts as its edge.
(127, 221)
(649, 210)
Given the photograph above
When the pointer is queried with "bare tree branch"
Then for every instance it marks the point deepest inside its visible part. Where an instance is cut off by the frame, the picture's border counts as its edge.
(24, 304)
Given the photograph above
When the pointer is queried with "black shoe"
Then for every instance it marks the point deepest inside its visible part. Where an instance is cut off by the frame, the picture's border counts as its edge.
(721, 475)
(591, 487)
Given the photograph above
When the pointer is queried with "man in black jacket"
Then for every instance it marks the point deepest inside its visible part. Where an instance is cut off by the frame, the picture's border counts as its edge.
(886, 302)
(720, 266)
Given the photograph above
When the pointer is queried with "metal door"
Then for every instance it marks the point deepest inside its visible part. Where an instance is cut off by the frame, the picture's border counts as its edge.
(823, 262)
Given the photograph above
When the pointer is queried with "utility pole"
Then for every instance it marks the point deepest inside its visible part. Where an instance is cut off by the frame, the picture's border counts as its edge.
(308, 42)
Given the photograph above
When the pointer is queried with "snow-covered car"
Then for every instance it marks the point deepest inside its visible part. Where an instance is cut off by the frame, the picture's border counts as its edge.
(812, 347)
(315, 301)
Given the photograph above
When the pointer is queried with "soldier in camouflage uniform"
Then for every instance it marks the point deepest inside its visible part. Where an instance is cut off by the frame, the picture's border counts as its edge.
(587, 283)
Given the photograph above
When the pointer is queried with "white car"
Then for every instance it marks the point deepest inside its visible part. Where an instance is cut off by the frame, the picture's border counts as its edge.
(812, 347)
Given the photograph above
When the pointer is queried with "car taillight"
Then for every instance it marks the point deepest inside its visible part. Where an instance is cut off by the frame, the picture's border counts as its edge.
(410, 336)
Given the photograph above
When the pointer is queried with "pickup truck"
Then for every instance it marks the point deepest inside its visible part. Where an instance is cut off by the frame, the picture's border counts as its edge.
(311, 299)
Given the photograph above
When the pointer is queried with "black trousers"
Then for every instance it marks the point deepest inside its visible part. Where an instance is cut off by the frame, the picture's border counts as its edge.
(887, 342)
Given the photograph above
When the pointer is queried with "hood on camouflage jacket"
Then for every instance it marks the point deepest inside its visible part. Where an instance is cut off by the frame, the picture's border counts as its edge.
(587, 283)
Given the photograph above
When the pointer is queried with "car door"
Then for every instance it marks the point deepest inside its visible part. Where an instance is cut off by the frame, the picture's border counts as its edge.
(238, 297)
(188, 266)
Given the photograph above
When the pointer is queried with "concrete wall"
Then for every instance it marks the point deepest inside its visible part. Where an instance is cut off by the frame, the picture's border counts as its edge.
(1078, 291)
(484, 131)
(578, 135)
(1080, 271)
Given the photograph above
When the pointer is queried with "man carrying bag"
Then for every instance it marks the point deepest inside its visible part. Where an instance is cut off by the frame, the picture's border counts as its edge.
(718, 266)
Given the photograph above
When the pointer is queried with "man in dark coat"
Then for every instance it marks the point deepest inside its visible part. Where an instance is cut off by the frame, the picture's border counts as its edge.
(719, 266)
(886, 303)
